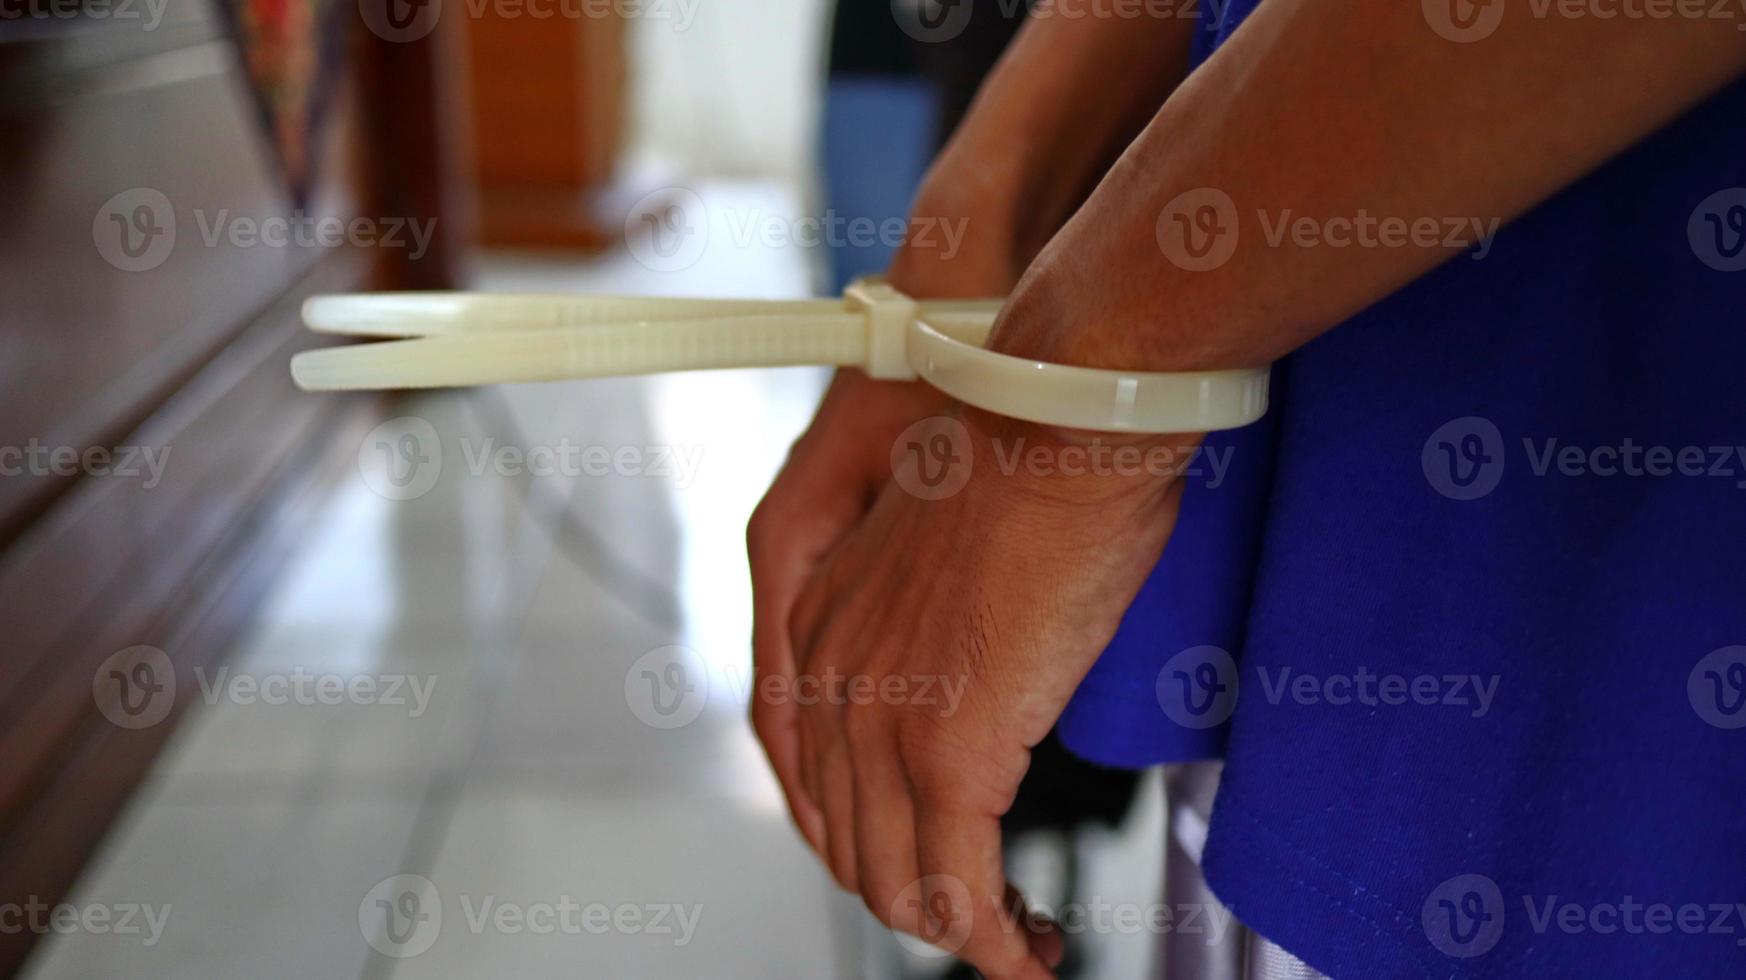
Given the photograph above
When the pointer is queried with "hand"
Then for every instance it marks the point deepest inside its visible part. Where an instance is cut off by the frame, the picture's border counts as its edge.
(941, 640)
(843, 461)
(1019, 164)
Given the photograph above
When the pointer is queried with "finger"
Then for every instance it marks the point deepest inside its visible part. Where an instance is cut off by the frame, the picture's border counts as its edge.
(884, 834)
(778, 573)
(811, 791)
(837, 785)
(1041, 932)
(814, 730)
(965, 893)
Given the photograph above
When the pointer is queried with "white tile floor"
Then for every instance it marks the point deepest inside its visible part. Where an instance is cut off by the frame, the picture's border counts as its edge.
(528, 780)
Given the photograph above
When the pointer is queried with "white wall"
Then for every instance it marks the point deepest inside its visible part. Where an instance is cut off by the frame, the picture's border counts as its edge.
(728, 87)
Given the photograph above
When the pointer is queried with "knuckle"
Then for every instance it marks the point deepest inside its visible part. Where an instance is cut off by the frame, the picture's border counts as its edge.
(863, 725)
(920, 752)
(916, 741)
(807, 623)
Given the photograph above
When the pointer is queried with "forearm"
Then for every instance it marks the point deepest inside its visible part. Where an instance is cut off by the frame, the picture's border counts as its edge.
(1312, 113)
(1067, 96)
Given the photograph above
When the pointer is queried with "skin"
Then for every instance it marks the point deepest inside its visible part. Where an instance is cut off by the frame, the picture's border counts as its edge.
(1015, 584)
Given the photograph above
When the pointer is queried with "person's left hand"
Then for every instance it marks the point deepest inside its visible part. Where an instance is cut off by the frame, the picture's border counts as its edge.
(941, 640)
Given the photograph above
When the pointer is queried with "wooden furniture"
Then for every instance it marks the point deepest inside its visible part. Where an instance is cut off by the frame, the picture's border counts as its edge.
(109, 344)
(546, 97)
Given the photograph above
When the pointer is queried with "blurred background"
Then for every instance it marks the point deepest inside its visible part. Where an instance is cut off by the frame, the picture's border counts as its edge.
(445, 685)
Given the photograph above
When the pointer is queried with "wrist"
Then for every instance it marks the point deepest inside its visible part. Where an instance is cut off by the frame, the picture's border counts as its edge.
(1113, 472)
(1108, 300)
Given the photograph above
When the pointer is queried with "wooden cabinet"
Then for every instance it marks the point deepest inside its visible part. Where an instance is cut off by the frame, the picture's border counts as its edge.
(137, 312)
(547, 99)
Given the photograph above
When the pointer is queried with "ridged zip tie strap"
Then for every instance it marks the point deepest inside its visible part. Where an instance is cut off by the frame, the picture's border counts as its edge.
(445, 340)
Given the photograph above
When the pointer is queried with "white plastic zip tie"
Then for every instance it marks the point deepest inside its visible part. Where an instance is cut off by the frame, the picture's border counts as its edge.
(444, 340)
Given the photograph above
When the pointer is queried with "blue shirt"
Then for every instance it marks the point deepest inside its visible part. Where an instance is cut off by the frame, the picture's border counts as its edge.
(1466, 615)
